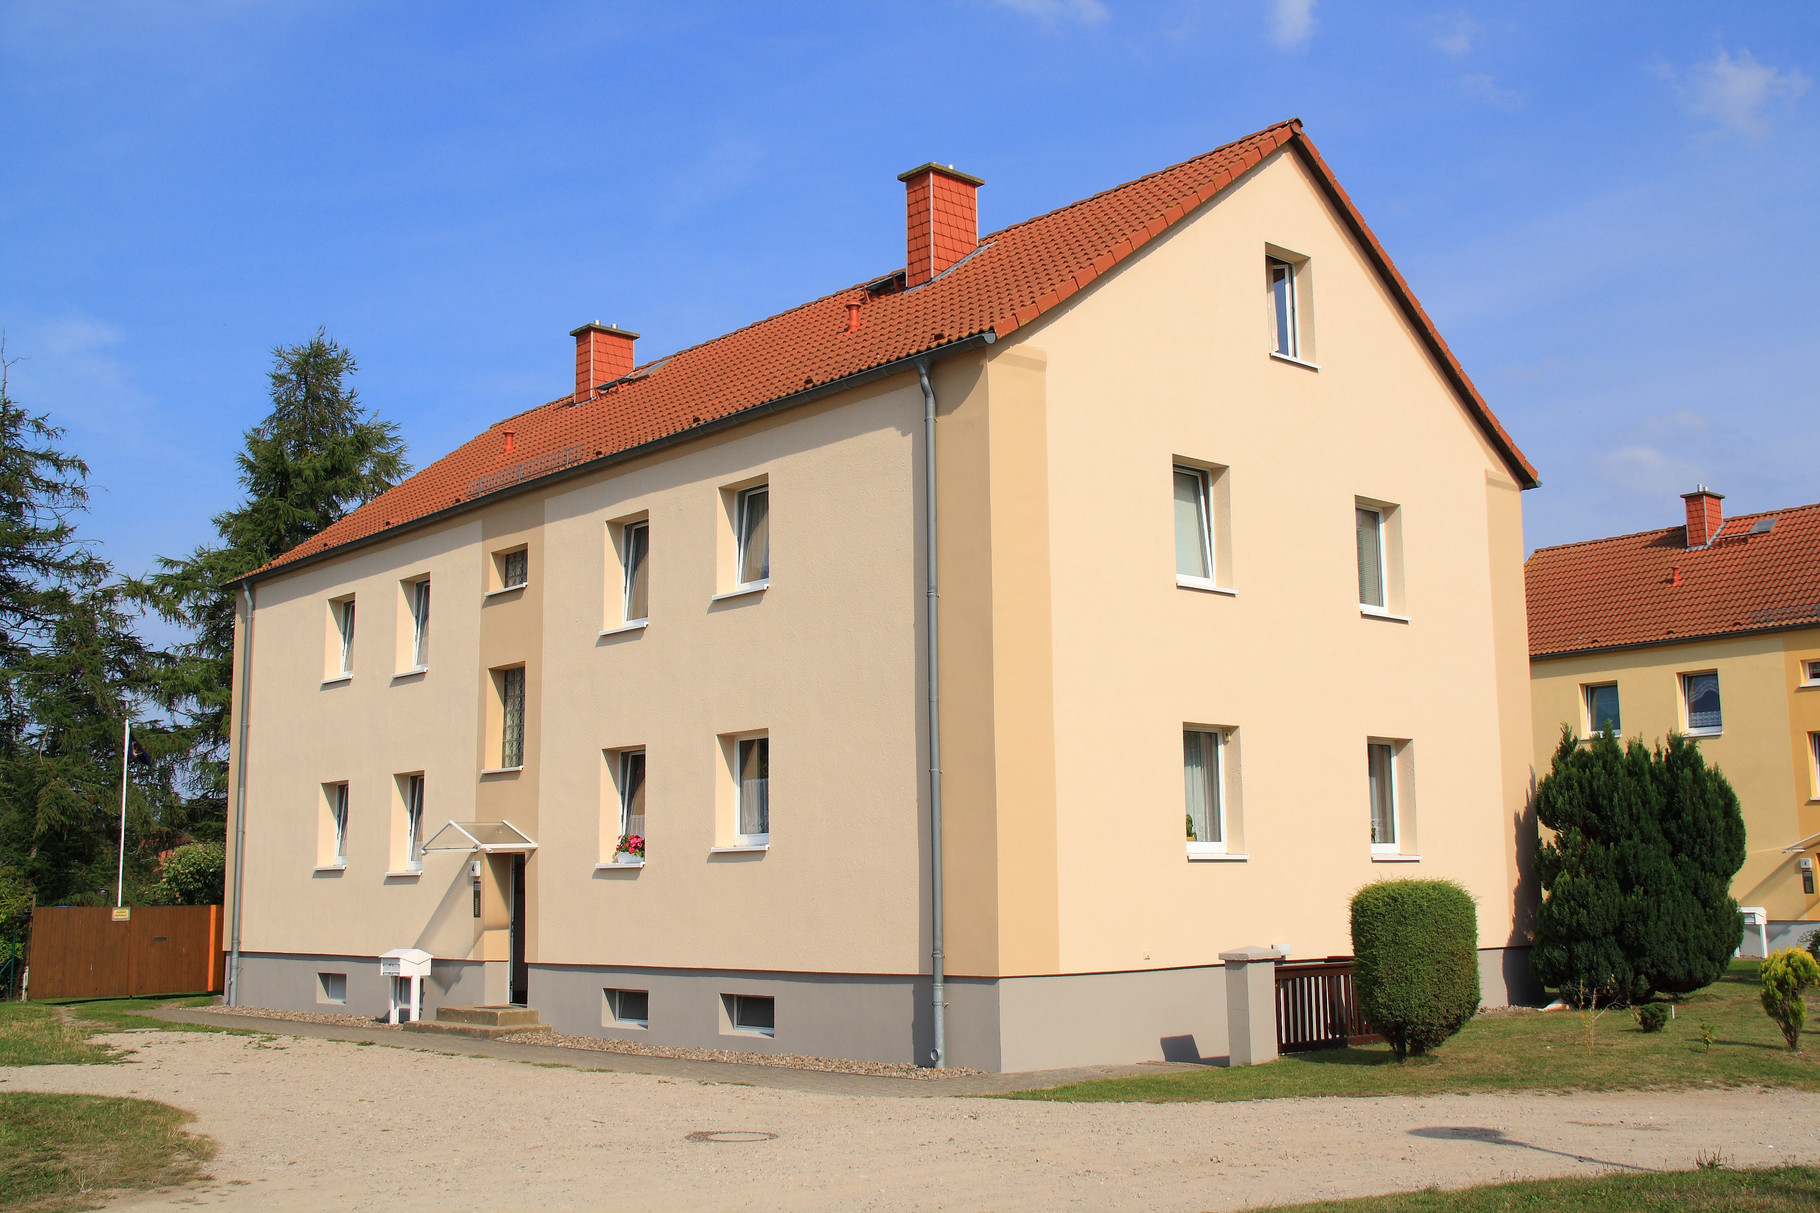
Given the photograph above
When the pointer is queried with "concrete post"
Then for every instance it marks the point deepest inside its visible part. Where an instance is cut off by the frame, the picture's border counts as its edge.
(1251, 1005)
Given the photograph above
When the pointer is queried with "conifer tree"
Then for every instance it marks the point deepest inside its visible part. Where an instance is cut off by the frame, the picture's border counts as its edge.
(315, 457)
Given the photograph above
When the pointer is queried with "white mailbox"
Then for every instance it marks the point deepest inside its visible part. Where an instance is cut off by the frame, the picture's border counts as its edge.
(406, 968)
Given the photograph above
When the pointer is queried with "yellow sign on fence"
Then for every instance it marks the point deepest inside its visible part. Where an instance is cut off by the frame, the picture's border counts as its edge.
(123, 913)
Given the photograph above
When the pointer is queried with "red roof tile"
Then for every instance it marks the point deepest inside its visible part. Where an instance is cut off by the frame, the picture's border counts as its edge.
(1623, 591)
(1014, 276)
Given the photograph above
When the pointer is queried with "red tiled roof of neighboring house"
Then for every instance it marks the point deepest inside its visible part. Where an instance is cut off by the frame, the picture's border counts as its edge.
(1650, 588)
(1015, 276)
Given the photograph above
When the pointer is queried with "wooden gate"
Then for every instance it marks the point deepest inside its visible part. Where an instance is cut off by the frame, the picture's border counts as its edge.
(82, 952)
(1316, 1008)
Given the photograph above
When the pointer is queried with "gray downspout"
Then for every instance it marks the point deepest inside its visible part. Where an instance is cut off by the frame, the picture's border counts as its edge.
(231, 995)
(938, 1056)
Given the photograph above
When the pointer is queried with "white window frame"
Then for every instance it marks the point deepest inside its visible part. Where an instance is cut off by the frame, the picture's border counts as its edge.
(741, 503)
(625, 788)
(344, 627)
(1687, 704)
(1394, 846)
(1372, 608)
(420, 624)
(739, 790)
(614, 998)
(630, 570)
(339, 810)
(730, 1004)
(1199, 847)
(1586, 706)
(1293, 328)
(413, 822)
(1209, 546)
(1813, 763)
(1810, 673)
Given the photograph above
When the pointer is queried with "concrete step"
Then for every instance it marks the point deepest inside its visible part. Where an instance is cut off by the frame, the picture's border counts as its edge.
(487, 1023)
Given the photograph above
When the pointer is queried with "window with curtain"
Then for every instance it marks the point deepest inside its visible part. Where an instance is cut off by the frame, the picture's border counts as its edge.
(1602, 708)
(636, 540)
(341, 823)
(1193, 530)
(346, 622)
(1370, 524)
(1282, 295)
(413, 823)
(1380, 762)
(754, 534)
(754, 790)
(1201, 776)
(515, 569)
(632, 792)
(1703, 714)
(512, 700)
(420, 623)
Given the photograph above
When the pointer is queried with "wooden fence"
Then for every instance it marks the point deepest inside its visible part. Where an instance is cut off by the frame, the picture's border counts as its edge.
(1316, 1008)
(83, 952)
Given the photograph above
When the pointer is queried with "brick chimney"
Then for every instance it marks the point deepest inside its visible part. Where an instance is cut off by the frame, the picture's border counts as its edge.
(603, 352)
(1704, 517)
(942, 219)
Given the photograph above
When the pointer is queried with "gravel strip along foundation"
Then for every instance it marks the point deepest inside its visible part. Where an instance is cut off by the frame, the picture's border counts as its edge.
(596, 1044)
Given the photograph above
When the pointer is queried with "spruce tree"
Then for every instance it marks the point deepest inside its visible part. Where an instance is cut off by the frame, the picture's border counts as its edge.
(315, 457)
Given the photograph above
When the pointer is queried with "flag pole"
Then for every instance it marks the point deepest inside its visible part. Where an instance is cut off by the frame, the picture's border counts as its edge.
(126, 742)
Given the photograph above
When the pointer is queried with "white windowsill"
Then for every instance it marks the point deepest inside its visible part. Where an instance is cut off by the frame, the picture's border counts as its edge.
(637, 625)
(406, 872)
(610, 867)
(413, 672)
(501, 770)
(504, 589)
(338, 679)
(1196, 855)
(1718, 732)
(1313, 366)
(330, 867)
(1201, 583)
(756, 587)
(1371, 612)
(629, 1025)
(756, 846)
(1394, 858)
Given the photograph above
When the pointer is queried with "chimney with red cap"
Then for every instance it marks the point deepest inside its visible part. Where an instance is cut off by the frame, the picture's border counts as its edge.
(942, 218)
(603, 352)
(1704, 517)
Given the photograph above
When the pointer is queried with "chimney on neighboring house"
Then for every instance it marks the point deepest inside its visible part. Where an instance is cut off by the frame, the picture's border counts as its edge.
(1704, 516)
(942, 219)
(603, 352)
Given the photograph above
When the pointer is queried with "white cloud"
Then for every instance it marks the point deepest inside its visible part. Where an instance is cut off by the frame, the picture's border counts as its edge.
(1735, 91)
(1085, 11)
(1648, 472)
(1480, 86)
(1291, 21)
(1453, 34)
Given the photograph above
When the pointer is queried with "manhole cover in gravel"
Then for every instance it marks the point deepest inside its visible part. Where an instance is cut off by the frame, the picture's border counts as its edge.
(730, 1135)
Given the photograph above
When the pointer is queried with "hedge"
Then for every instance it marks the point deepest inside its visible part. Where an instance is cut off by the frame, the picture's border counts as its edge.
(1415, 968)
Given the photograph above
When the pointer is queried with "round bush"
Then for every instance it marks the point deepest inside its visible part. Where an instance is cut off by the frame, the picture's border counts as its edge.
(1415, 946)
(1787, 976)
(1652, 1016)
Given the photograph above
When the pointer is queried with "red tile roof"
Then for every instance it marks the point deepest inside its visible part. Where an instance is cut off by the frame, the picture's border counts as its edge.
(1650, 588)
(1015, 276)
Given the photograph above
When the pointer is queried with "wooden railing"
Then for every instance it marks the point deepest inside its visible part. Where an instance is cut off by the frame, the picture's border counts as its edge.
(1316, 1008)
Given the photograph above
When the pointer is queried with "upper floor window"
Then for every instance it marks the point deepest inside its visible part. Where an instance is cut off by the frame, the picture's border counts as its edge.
(1381, 776)
(754, 531)
(753, 825)
(1204, 785)
(511, 684)
(514, 569)
(1193, 524)
(1287, 333)
(420, 623)
(636, 589)
(1602, 709)
(1810, 673)
(1378, 537)
(344, 628)
(1701, 695)
(413, 823)
(1370, 525)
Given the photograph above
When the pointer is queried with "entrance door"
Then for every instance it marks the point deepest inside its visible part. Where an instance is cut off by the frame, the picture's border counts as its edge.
(519, 993)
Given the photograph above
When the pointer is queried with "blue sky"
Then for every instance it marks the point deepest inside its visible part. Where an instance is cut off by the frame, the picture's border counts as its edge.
(1607, 208)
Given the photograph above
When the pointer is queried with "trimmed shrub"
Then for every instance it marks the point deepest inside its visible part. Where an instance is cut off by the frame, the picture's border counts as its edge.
(1415, 968)
(192, 875)
(1787, 977)
(1652, 1016)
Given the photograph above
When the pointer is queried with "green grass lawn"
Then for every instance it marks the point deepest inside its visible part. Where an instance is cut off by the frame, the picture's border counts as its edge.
(1520, 1050)
(61, 1152)
(45, 1034)
(1779, 1189)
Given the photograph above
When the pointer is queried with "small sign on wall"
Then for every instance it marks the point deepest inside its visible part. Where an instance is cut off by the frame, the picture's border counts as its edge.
(123, 913)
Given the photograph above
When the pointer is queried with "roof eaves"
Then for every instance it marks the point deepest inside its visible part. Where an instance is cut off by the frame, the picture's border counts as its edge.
(1664, 641)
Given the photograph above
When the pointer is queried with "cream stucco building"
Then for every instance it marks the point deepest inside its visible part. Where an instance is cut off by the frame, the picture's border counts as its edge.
(1228, 589)
(1712, 630)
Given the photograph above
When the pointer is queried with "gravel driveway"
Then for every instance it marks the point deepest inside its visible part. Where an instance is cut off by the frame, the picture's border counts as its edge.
(307, 1124)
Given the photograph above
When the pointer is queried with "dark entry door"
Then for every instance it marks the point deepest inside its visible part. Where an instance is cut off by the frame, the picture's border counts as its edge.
(519, 994)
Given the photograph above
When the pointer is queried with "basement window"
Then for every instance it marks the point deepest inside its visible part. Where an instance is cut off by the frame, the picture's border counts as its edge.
(627, 1009)
(748, 1015)
(332, 987)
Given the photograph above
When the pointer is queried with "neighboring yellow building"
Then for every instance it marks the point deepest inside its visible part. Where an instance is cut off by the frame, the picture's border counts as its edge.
(1229, 569)
(1711, 629)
